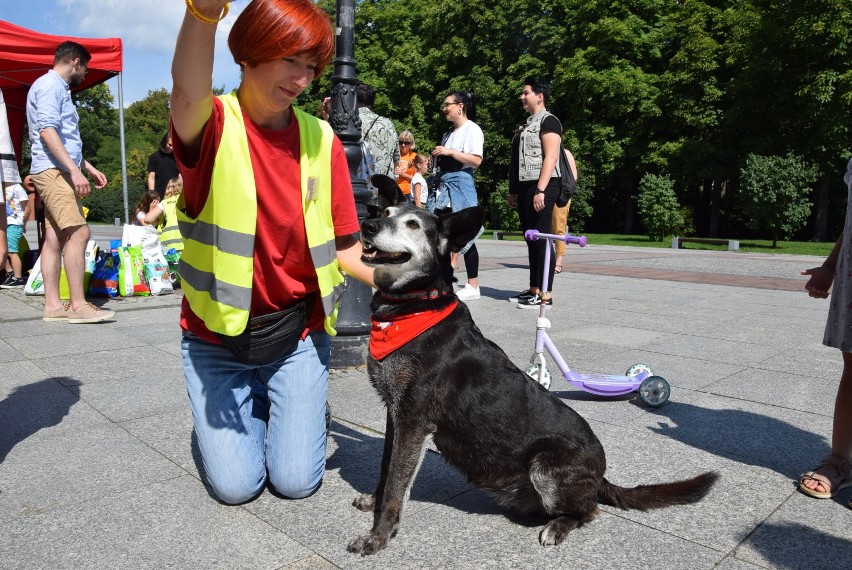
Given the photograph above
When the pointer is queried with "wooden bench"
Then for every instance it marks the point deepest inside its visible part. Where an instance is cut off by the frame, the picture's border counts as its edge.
(733, 245)
(498, 234)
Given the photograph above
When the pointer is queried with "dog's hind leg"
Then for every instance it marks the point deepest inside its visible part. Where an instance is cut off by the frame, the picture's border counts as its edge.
(372, 501)
(566, 482)
(409, 446)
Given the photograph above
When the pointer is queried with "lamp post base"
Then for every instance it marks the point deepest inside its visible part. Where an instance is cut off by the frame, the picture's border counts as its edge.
(348, 351)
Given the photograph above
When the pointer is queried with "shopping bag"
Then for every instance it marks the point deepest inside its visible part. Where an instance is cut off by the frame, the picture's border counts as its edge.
(139, 235)
(156, 270)
(35, 282)
(104, 282)
(131, 272)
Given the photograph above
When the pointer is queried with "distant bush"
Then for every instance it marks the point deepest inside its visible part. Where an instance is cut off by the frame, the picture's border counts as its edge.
(658, 208)
(108, 203)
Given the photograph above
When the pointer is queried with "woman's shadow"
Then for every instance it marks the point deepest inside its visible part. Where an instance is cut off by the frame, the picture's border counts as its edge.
(31, 408)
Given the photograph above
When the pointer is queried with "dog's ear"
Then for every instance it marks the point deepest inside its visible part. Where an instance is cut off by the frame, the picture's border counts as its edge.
(389, 192)
(460, 227)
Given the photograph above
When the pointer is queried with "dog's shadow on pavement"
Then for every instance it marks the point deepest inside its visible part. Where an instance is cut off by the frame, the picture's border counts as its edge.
(357, 458)
(31, 408)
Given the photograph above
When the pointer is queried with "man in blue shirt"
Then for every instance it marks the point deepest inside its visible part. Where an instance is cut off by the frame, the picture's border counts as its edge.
(57, 171)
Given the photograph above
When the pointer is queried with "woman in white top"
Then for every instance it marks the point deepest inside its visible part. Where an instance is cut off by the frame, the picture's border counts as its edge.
(458, 154)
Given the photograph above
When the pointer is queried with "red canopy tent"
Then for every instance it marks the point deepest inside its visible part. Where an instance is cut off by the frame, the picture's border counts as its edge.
(26, 55)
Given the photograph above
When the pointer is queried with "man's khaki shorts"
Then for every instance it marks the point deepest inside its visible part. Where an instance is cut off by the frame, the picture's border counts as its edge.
(62, 206)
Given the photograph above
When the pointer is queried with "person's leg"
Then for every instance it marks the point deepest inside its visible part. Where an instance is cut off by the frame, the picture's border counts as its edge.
(526, 215)
(296, 439)
(471, 266)
(63, 214)
(841, 437)
(229, 413)
(541, 221)
(14, 234)
(559, 222)
(50, 259)
(74, 262)
(3, 239)
(544, 224)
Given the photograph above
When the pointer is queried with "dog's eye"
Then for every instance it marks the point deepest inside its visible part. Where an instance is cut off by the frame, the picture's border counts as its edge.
(412, 225)
(386, 213)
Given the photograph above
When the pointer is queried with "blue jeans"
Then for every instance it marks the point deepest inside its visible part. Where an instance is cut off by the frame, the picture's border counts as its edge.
(462, 194)
(254, 422)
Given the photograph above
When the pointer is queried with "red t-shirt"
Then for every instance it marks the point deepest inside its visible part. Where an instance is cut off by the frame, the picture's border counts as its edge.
(283, 268)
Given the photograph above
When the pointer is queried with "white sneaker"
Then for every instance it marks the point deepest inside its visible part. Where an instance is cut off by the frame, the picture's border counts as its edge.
(468, 293)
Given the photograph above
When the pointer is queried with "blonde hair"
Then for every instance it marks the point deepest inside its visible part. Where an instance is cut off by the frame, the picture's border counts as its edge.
(407, 136)
(421, 158)
(174, 188)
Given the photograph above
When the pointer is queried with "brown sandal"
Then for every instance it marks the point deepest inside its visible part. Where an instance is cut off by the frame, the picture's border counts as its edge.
(841, 478)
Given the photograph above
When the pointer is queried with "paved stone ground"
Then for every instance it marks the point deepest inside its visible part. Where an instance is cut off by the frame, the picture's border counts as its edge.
(98, 470)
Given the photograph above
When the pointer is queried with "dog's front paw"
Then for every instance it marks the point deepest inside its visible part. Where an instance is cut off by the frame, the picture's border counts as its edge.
(366, 503)
(556, 530)
(369, 544)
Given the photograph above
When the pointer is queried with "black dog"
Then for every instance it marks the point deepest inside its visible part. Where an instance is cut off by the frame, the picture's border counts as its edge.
(505, 432)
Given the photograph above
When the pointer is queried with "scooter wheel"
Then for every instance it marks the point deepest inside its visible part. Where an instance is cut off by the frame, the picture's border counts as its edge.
(654, 391)
(539, 374)
(637, 369)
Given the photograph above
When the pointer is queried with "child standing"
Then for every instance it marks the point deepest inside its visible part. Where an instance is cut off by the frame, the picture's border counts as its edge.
(18, 208)
(419, 188)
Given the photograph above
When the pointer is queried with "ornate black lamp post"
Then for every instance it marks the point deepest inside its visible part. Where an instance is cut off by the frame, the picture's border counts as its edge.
(349, 347)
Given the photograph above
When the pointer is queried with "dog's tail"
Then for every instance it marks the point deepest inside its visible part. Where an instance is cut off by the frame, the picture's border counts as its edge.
(645, 497)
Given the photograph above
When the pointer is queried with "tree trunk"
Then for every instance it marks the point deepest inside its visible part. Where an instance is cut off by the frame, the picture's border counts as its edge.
(821, 224)
(713, 226)
(629, 203)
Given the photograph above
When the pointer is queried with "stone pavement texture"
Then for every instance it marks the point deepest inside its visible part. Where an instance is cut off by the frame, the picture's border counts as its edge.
(98, 467)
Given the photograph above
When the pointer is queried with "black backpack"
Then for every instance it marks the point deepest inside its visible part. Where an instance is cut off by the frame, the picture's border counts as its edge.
(567, 183)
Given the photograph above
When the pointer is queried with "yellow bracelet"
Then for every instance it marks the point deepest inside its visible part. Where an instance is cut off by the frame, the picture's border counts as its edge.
(199, 16)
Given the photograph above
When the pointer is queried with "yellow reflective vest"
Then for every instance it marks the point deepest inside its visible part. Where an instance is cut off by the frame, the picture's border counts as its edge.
(169, 232)
(218, 257)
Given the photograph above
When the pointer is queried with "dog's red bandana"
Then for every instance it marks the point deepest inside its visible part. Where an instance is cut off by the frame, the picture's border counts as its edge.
(386, 337)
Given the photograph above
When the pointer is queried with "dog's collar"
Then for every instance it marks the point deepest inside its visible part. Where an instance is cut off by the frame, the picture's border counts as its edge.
(388, 336)
(423, 295)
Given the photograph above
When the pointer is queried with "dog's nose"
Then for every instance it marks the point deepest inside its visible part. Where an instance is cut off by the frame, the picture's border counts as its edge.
(369, 227)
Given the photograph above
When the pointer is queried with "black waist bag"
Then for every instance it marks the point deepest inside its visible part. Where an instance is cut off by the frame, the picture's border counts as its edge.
(268, 337)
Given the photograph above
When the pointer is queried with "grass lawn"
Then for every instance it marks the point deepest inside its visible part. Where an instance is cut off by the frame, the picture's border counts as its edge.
(749, 245)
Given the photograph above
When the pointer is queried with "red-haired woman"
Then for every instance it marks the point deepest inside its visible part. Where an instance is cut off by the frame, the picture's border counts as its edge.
(267, 221)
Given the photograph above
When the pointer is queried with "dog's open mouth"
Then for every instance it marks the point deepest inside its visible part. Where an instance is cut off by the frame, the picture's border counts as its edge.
(374, 256)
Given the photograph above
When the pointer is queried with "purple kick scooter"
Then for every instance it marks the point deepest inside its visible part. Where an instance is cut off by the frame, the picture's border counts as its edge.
(653, 390)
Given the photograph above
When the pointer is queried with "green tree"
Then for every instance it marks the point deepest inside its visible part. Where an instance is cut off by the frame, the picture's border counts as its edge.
(775, 193)
(98, 118)
(149, 116)
(791, 90)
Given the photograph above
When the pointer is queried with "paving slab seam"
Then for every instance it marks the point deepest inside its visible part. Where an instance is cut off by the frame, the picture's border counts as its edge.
(758, 526)
(786, 408)
(614, 511)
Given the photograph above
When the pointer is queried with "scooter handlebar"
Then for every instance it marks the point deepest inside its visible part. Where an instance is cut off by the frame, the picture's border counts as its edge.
(534, 235)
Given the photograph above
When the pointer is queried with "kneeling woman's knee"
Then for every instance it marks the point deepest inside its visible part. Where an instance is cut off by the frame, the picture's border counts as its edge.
(296, 487)
(236, 491)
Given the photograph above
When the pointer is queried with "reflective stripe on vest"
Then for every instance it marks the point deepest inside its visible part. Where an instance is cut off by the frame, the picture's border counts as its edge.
(170, 233)
(315, 141)
(217, 263)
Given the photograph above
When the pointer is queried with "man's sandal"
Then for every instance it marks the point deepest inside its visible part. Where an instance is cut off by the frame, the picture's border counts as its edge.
(839, 477)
